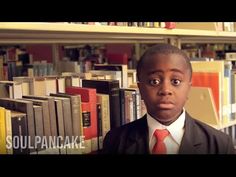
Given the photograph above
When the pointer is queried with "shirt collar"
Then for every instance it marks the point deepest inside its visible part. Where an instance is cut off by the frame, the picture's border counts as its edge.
(175, 128)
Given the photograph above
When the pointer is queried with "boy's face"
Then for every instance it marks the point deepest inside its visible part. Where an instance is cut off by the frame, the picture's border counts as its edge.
(164, 86)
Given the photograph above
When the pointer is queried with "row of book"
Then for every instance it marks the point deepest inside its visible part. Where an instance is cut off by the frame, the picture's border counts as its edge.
(57, 116)
(210, 51)
(135, 24)
(51, 84)
(16, 68)
(214, 26)
(117, 107)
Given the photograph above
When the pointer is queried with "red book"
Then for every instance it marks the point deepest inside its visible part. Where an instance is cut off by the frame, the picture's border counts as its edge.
(117, 58)
(88, 95)
(170, 25)
(5, 72)
(211, 80)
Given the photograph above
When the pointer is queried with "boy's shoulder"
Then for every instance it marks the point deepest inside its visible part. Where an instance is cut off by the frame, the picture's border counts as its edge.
(201, 129)
(137, 125)
(118, 139)
(204, 139)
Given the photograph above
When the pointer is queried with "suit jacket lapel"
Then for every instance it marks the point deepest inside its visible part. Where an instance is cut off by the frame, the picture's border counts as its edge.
(137, 141)
(191, 142)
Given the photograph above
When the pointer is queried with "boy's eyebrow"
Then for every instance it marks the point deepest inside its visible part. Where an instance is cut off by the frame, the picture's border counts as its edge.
(177, 70)
(161, 71)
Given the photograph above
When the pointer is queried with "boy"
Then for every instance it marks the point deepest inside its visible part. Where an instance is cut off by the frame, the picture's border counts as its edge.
(164, 79)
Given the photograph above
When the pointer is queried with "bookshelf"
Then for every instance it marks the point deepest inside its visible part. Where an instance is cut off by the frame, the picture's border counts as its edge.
(68, 33)
(72, 34)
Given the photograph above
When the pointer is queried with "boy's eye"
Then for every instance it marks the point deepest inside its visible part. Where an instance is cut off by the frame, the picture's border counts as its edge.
(155, 82)
(175, 81)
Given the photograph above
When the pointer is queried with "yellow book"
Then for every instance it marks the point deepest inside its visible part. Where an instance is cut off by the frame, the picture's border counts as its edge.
(226, 102)
(156, 24)
(213, 26)
(3, 149)
(8, 129)
(213, 66)
(39, 86)
(208, 66)
(200, 105)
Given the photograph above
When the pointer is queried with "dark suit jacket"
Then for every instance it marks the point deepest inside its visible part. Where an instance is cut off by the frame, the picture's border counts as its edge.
(198, 138)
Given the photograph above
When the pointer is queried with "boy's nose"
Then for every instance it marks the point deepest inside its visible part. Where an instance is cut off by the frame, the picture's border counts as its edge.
(165, 89)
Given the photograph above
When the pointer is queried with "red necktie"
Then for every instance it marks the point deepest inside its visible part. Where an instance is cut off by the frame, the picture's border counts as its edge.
(160, 147)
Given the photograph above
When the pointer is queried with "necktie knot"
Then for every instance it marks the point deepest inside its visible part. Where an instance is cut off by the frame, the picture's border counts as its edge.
(161, 134)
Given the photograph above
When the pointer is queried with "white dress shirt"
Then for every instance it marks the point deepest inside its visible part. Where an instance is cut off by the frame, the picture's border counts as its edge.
(173, 140)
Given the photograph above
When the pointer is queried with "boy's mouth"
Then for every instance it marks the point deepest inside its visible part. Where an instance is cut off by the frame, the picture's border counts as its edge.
(165, 105)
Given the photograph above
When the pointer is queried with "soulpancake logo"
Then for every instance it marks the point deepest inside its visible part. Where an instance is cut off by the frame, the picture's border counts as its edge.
(44, 142)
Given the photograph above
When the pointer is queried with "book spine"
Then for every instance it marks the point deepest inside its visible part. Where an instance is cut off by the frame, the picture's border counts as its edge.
(2, 131)
(8, 129)
(59, 119)
(30, 123)
(67, 118)
(52, 113)
(76, 116)
(99, 120)
(115, 106)
(38, 115)
(122, 106)
(19, 132)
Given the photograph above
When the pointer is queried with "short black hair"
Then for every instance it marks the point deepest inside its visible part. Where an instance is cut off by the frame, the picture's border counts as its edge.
(162, 49)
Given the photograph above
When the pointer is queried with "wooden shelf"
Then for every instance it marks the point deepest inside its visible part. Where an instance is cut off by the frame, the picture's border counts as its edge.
(222, 126)
(13, 33)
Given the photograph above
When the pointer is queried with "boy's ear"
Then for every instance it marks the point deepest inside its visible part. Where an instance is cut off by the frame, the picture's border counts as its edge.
(190, 83)
(138, 83)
